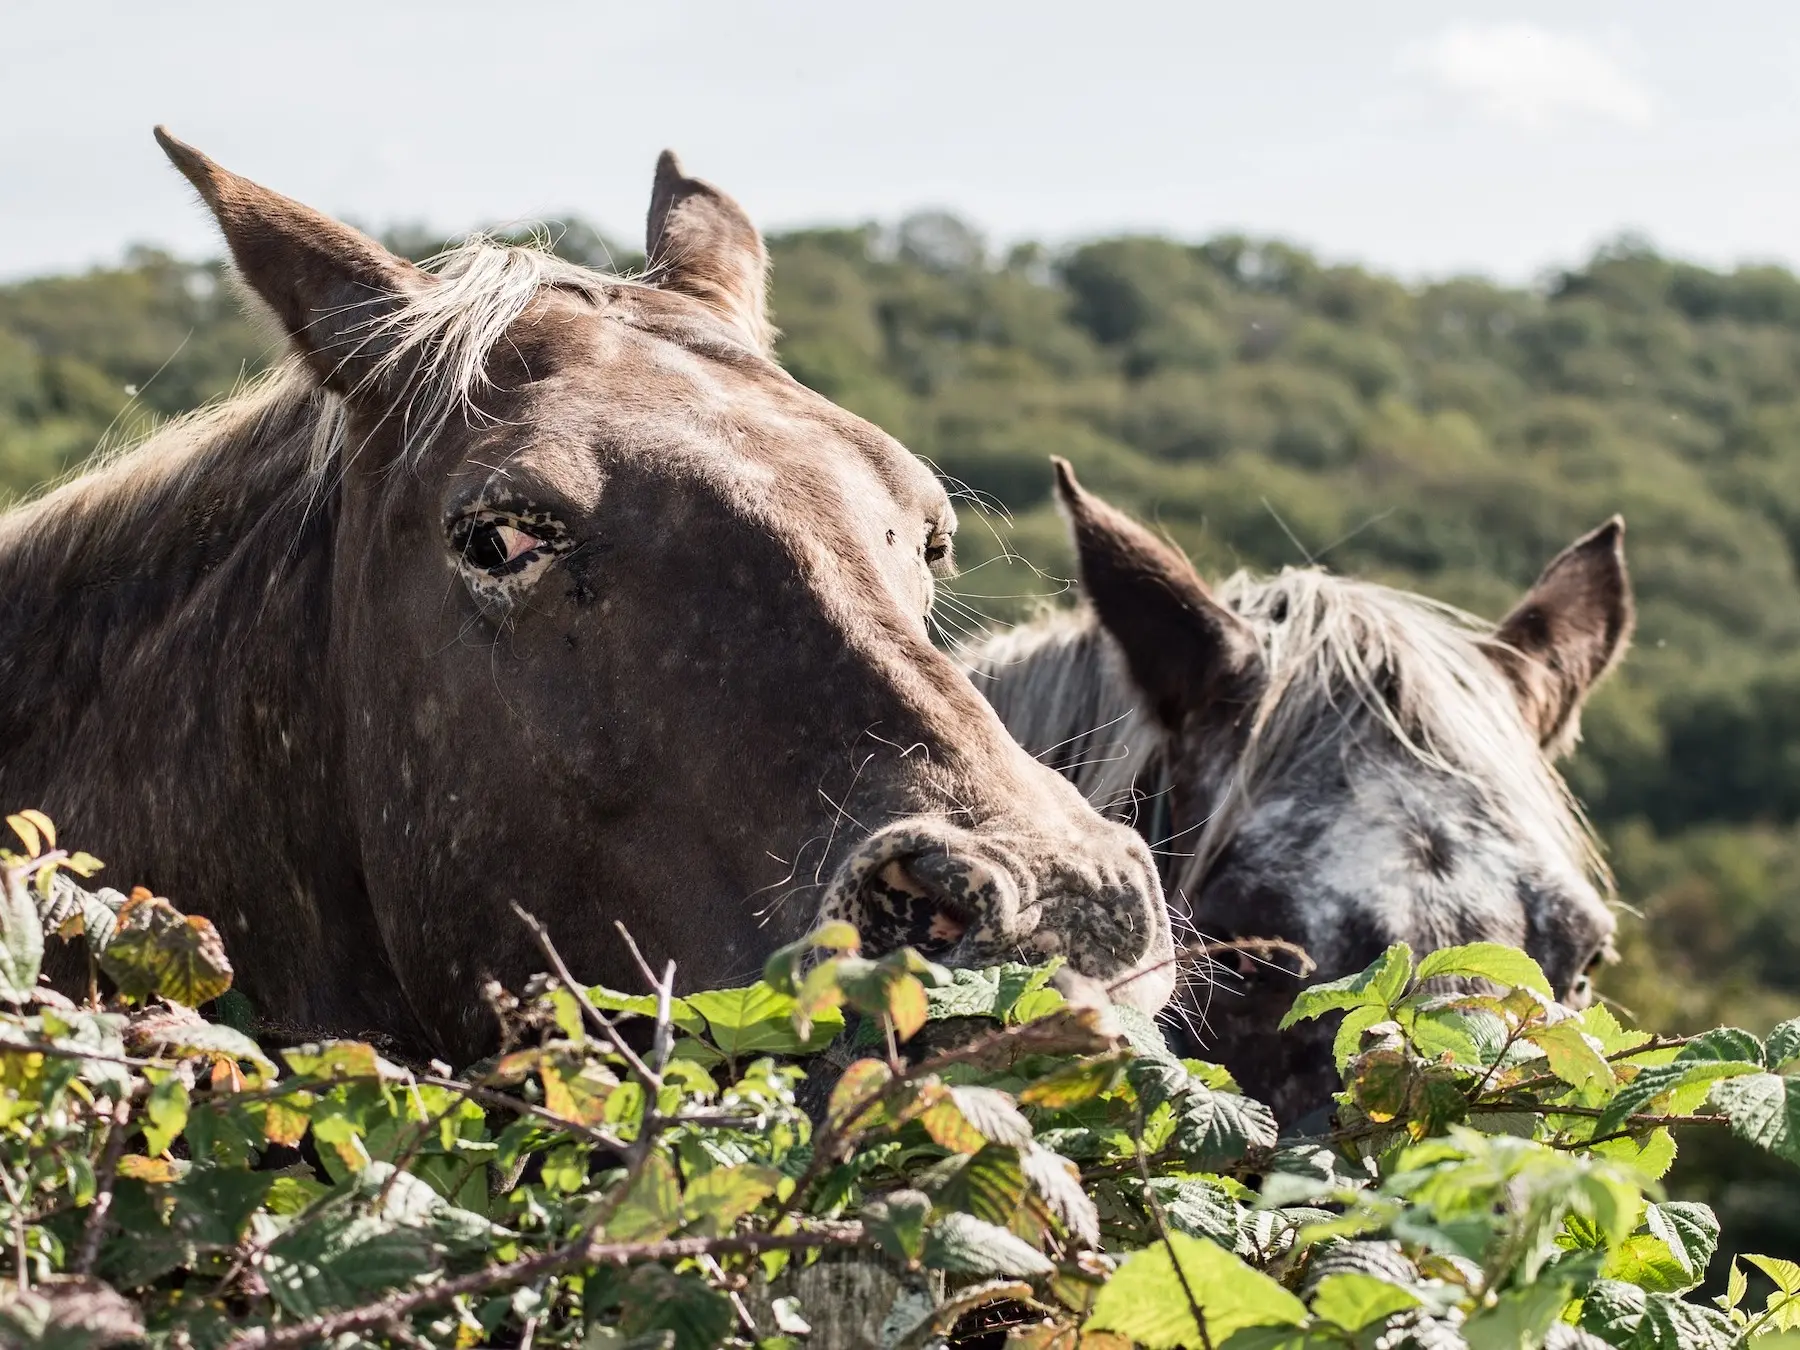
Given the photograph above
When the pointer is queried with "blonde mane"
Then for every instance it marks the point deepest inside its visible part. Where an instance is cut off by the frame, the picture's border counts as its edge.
(1341, 658)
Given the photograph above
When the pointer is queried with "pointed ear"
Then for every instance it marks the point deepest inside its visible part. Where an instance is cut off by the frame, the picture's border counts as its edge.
(1183, 647)
(329, 285)
(1569, 631)
(698, 241)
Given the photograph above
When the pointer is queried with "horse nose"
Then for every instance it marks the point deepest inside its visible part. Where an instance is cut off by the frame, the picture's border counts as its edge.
(930, 889)
(979, 897)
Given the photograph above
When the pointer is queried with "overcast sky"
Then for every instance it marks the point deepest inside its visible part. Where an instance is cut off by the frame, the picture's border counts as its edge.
(1421, 137)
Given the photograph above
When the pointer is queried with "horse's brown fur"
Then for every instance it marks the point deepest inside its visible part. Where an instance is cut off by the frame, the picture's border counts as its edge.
(521, 583)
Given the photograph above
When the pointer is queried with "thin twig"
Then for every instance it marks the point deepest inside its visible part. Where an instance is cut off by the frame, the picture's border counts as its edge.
(601, 1021)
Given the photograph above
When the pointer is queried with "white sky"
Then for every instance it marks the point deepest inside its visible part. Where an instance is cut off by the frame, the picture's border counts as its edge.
(1416, 135)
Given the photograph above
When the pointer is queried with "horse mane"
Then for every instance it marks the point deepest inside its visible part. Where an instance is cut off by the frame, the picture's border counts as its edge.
(1342, 659)
(434, 347)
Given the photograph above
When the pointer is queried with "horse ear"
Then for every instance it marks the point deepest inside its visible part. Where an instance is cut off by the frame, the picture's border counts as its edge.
(1182, 646)
(1569, 631)
(698, 241)
(329, 285)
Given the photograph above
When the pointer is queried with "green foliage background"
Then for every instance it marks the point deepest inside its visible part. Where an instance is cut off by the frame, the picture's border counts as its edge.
(1262, 407)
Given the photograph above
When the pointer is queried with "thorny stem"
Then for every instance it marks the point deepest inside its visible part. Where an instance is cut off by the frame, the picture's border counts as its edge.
(104, 1176)
(1162, 1229)
(586, 1250)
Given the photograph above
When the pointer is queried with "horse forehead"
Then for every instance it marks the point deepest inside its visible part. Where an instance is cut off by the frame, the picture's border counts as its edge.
(672, 391)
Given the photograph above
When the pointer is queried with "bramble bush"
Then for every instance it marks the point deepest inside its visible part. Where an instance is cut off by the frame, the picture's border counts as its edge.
(991, 1161)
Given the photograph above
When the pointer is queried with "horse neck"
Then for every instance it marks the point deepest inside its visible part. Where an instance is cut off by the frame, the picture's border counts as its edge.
(163, 651)
(1060, 687)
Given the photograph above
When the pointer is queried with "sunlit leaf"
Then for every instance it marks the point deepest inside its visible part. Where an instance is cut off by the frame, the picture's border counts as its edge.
(1146, 1302)
(1493, 961)
(1382, 984)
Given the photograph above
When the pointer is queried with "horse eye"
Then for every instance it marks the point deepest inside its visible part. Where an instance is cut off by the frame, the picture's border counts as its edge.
(490, 545)
(937, 547)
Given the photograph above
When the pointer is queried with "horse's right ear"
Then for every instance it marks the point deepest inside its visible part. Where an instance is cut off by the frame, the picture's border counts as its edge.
(698, 241)
(329, 285)
(1182, 646)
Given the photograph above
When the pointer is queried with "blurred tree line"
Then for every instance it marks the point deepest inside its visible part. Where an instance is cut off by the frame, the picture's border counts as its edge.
(1265, 408)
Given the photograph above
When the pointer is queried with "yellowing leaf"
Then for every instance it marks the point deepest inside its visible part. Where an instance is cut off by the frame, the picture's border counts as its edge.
(857, 1091)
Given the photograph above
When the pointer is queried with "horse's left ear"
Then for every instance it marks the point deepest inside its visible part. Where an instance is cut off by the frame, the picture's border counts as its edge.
(1569, 631)
(329, 285)
(698, 241)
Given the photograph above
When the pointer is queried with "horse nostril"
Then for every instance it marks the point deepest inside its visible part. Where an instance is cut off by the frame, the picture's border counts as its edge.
(910, 911)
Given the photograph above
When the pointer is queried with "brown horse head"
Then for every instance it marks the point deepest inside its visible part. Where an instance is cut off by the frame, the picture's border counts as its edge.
(524, 583)
(1329, 762)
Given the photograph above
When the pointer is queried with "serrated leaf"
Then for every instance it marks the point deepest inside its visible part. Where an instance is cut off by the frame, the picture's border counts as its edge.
(896, 1221)
(1145, 1300)
(1382, 983)
(21, 940)
(1573, 1058)
(1764, 1109)
(1494, 961)
(1725, 1045)
(579, 1091)
(1058, 1182)
(1630, 1318)
(1353, 1300)
(649, 1207)
(215, 1041)
(1690, 1229)
(989, 1184)
(858, 1090)
(716, 1200)
(1347, 1043)
(1199, 1208)
(342, 1259)
(655, 1299)
(961, 1244)
(1214, 1129)
(992, 1113)
(758, 1020)
(165, 1113)
(1782, 1046)
(1072, 1083)
(157, 951)
(333, 1059)
(681, 1012)
(1785, 1274)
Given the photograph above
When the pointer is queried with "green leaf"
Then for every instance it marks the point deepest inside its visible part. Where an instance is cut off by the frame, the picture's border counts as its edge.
(1347, 1043)
(1199, 1208)
(214, 1040)
(333, 1059)
(716, 1200)
(961, 1244)
(1145, 1300)
(165, 1113)
(21, 941)
(1503, 965)
(1765, 1111)
(1785, 1274)
(1782, 1047)
(1353, 1300)
(157, 951)
(781, 970)
(1072, 1083)
(1215, 1129)
(992, 1113)
(1058, 1183)
(1574, 1058)
(1691, 1231)
(657, 1300)
(989, 1184)
(681, 1012)
(897, 1223)
(650, 1206)
(1725, 1045)
(1630, 1318)
(341, 1258)
(1382, 984)
(757, 1020)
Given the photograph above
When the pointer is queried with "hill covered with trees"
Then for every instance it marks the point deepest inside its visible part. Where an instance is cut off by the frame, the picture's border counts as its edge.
(1266, 408)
